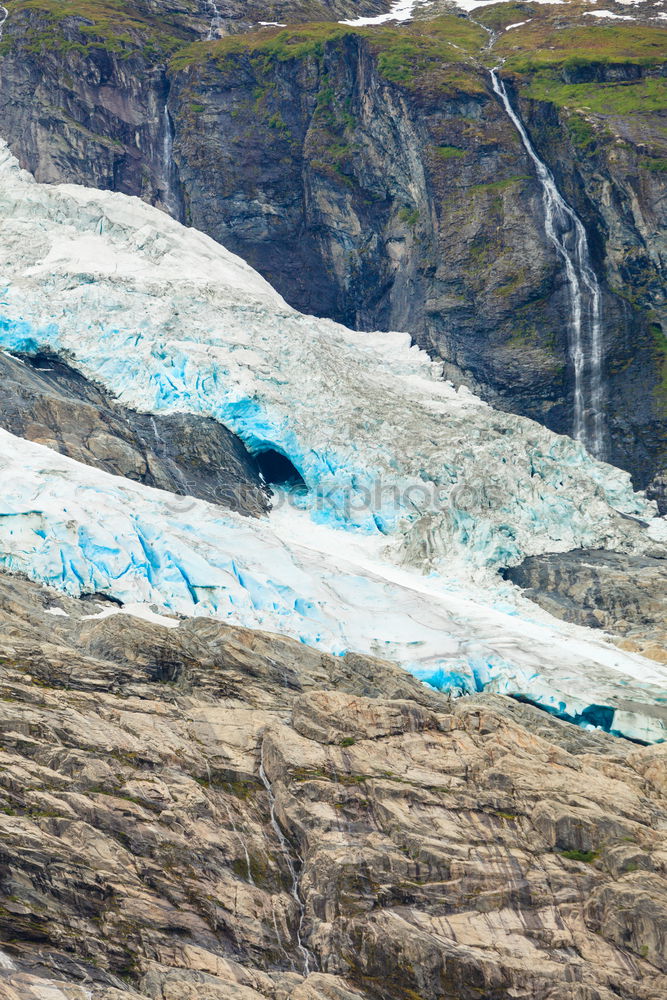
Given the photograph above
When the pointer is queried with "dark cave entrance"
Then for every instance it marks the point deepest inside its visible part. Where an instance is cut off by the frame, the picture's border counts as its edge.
(279, 471)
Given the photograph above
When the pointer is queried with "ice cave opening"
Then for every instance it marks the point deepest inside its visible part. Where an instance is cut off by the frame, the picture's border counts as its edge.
(277, 470)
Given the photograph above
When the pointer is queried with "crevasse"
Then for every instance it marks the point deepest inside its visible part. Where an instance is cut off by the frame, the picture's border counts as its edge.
(85, 531)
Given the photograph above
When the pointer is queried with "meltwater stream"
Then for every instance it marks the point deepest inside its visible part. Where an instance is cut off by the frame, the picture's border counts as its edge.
(566, 231)
(215, 26)
(168, 171)
(306, 955)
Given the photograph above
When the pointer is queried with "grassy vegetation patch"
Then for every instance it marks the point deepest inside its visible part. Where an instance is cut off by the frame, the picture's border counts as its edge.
(279, 46)
(581, 132)
(448, 152)
(498, 15)
(500, 185)
(405, 55)
(410, 216)
(601, 98)
(656, 164)
(117, 25)
(660, 355)
(586, 856)
(539, 45)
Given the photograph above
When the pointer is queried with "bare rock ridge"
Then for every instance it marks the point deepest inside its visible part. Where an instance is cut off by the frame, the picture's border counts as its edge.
(44, 400)
(624, 595)
(372, 176)
(441, 849)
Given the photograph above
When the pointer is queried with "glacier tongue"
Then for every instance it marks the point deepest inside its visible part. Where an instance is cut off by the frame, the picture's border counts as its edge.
(170, 321)
(430, 481)
(85, 531)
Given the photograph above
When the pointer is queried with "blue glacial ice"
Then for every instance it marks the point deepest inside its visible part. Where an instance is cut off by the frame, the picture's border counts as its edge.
(84, 531)
(170, 321)
(432, 484)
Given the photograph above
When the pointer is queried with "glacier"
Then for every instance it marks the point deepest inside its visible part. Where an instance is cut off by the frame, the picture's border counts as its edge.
(170, 321)
(83, 531)
(417, 492)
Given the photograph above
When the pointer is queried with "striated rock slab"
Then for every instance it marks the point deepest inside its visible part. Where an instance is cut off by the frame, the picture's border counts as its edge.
(181, 806)
(623, 594)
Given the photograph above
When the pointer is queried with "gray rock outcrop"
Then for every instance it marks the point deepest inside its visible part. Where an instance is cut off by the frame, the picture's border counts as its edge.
(625, 595)
(207, 812)
(44, 400)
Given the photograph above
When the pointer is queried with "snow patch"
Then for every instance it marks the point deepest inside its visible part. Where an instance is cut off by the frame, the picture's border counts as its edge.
(469, 5)
(135, 610)
(609, 14)
(401, 10)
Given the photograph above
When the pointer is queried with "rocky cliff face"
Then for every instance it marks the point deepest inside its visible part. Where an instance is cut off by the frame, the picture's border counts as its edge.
(372, 176)
(204, 812)
(623, 595)
(44, 400)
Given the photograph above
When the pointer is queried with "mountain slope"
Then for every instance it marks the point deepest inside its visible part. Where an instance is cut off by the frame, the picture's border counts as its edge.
(440, 850)
(277, 722)
(400, 474)
(372, 176)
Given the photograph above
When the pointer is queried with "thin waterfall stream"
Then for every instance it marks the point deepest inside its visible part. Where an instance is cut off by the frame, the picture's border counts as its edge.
(170, 201)
(215, 26)
(566, 232)
(308, 960)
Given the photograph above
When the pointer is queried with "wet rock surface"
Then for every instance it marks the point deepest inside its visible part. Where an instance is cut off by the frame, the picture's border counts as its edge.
(44, 400)
(441, 849)
(373, 185)
(625, 595)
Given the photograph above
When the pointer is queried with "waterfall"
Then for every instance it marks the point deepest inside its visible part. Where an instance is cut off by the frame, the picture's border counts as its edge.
(169, 199)
(159, 443)
(308, 960)
(216, 21)
(566, 232)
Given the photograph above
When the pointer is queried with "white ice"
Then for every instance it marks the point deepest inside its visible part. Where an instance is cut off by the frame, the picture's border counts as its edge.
(170, 321)
(84, 531)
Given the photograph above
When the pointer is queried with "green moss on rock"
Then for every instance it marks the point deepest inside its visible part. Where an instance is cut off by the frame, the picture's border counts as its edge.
(118, 26)
(448, 152)
(619, 98)
(542, 44)
(437, 52)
